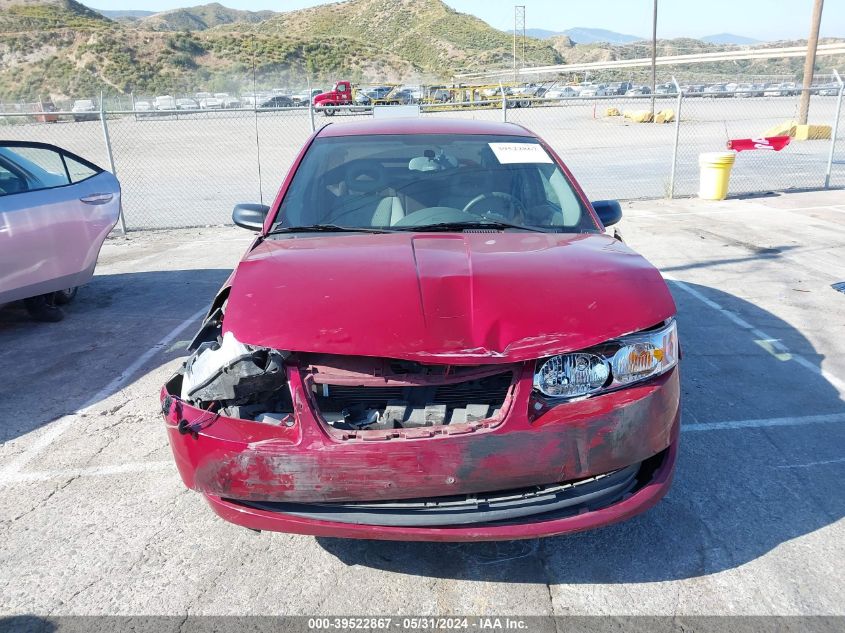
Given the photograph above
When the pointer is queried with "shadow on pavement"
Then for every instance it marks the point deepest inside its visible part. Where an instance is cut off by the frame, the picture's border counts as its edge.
(52, 369)
(26, 624)
(738, 492)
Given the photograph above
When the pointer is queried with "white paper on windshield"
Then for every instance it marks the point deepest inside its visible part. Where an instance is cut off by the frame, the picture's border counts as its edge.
(510, 153)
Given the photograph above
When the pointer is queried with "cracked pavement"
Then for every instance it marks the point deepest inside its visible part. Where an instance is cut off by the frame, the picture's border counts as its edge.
(97, 521)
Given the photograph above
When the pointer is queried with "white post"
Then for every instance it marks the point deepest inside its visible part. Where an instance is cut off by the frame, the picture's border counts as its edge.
(834, 131)
(311, 107)
(677, 136)
(504, 103)
(110, 156)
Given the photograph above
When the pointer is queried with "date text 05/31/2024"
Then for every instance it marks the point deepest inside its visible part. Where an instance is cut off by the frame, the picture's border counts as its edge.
(481, 623)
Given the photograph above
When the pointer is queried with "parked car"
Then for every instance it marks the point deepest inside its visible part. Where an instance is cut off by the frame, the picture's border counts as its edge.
(165, 103)
(279, 101)
(716, 91)
(744, 90)
(210, 102)
(829, 90)
(665, 89)
(143, 106)
(56, 209)
(404, 96)
(509, 369)
(562, 92)
(780, 90)
(593, 90)
(302, 98)
(84, 110)
(226, 100)
(638, 91)
(619, 87)
(438, 94)
(692, 90)
(187, 104)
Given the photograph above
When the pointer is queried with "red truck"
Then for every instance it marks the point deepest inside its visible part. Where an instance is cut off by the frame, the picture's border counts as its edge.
(340, 95)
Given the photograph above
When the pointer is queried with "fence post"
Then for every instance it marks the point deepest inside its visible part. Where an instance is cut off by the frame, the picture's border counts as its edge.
(835, 130)
(107, 140)
(504, 103)
(311, 111)
(677, 136)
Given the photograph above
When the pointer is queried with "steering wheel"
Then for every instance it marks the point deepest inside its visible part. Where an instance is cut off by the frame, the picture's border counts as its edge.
(364, 177)
(500, 197)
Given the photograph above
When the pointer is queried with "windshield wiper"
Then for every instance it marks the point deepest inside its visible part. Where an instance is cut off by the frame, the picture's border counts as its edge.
(459, 226)
(323, 228)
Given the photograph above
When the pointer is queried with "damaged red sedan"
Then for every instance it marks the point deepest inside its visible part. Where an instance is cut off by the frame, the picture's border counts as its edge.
(432, 337)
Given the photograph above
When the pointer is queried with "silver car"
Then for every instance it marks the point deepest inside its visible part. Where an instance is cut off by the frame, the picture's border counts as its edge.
(56, 209)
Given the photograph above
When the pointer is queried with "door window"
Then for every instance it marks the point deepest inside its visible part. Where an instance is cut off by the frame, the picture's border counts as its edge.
(11, 181)
(30, 168)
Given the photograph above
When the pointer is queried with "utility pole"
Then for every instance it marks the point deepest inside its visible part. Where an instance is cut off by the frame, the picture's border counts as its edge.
(518, 29)
(653, 56)
(810, 62)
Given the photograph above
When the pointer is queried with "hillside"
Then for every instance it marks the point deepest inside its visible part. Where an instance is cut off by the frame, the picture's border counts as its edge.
(63, 49)
(34, 15)
(427, 33)
(201, 18)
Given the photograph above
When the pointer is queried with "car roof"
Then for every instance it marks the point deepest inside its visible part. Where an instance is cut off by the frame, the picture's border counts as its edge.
(423, 126)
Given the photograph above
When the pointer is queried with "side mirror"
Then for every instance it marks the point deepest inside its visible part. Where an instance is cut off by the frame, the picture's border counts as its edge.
(250, 216)
(609, 211)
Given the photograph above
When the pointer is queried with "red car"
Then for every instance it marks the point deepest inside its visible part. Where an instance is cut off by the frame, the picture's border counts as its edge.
(431, 338)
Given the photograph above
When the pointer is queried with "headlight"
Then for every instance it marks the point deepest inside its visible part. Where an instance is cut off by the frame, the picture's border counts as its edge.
(614, 364)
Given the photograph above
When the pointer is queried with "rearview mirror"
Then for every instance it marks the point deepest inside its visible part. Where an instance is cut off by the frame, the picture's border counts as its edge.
(250, 216)
(609, 211)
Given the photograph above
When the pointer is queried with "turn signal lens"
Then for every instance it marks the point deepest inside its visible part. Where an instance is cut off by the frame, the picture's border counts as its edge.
(644, 355)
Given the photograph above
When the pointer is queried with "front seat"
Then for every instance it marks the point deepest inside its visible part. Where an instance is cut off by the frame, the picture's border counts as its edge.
(388, 211)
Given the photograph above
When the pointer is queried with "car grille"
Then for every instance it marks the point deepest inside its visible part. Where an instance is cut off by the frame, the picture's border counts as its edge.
(402, 407)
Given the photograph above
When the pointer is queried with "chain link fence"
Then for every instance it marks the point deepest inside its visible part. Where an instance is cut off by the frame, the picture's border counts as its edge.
(188, 168)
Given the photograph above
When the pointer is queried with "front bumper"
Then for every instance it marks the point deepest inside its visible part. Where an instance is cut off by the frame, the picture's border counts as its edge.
(253, 474)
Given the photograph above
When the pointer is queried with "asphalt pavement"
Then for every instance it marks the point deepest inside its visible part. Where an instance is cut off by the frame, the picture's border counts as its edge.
(95, 519)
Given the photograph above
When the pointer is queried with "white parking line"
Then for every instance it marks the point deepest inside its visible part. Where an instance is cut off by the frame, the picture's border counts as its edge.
(784, 353)
(764, 422)
(60, 426)
(93, 471)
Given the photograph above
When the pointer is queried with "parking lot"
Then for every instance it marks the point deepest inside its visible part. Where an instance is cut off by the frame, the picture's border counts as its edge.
(96, 520)
(189, 169)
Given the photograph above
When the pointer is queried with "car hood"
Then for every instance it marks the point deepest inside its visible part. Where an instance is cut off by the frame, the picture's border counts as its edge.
(443, 297)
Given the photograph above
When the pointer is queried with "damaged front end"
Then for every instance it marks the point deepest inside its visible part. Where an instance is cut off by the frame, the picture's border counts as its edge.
(295, 441)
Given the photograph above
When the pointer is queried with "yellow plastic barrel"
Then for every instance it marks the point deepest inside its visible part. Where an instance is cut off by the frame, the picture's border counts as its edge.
(715, 174)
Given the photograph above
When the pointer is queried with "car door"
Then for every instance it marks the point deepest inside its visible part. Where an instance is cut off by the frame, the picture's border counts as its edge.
(56, 209)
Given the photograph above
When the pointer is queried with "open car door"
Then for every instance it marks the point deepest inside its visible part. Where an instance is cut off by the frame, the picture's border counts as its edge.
(56, 209)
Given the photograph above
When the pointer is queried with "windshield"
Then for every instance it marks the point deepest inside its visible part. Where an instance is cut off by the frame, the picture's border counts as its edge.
(407, 182)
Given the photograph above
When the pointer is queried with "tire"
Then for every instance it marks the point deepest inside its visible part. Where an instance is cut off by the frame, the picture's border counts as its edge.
(525, 103)
(43, 308)
(328, 111)
(64, 297)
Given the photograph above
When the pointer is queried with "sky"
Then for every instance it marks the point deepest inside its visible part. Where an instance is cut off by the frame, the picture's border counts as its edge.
(760, 19)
